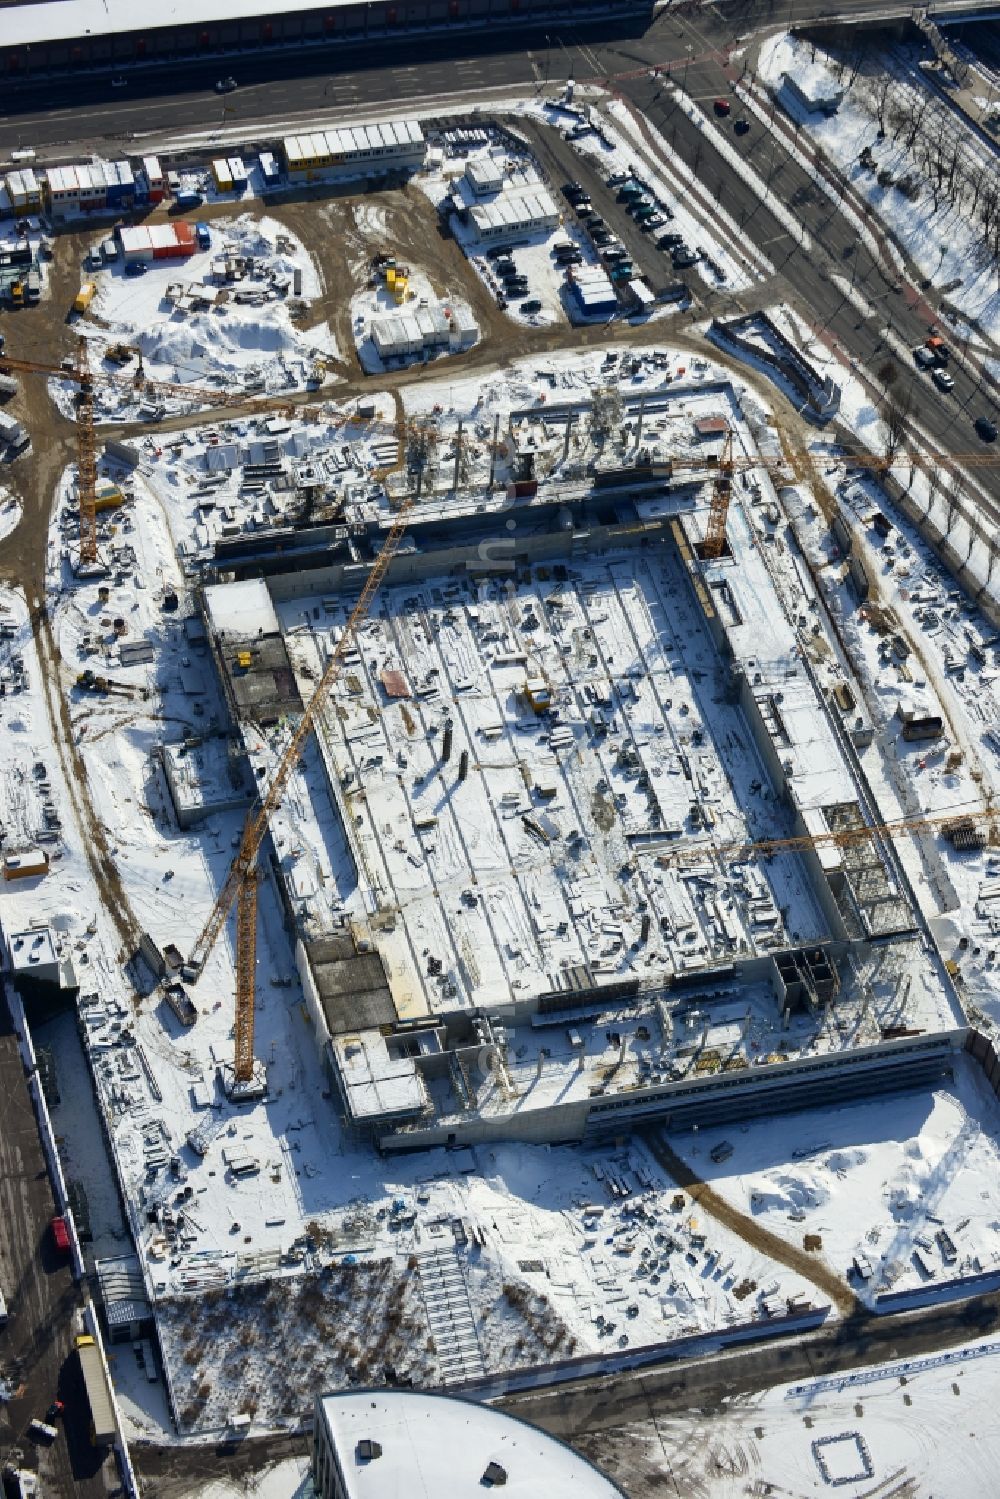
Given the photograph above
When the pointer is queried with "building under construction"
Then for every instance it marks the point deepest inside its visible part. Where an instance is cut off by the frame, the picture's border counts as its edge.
(598, 850)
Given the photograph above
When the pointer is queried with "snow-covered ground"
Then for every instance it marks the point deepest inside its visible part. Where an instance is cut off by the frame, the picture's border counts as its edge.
(906, 1183)
(944, 241)
(919, 1426)
(10, 513)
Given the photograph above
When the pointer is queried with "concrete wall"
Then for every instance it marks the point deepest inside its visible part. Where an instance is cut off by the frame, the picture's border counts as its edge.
(780, 1087)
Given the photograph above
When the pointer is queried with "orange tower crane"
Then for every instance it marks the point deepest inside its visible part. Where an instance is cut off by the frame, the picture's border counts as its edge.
(722, 488)
(86, 456)
(240, 884)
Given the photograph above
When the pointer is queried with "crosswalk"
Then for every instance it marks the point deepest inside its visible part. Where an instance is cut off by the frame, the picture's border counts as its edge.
(449, 1315)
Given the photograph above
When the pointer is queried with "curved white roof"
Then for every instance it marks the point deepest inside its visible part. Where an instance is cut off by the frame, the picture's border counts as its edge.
(435, 1444)
(58, 20)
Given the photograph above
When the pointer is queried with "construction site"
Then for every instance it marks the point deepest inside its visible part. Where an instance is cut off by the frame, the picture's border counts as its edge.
(452, 817)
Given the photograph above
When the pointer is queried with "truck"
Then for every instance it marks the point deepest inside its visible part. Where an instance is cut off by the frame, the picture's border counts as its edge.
(203, 235)
(60, 1234)
(95, 1381)
(84, 297)
(187, 198)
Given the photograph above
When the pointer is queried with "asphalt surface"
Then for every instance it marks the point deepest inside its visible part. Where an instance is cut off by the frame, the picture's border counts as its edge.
(37, 1342)
(692, 43)
(323, 80)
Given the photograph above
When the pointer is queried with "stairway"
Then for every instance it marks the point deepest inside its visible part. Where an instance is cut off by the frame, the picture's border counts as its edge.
(449, 1315)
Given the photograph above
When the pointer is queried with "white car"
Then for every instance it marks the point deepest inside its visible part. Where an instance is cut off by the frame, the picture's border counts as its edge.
(943, 380)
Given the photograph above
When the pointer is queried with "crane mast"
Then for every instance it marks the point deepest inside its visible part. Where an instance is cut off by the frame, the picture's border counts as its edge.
(86, 456)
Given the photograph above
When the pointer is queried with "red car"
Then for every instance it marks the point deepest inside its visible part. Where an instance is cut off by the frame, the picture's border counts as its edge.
(722, 106)
(60, 1235)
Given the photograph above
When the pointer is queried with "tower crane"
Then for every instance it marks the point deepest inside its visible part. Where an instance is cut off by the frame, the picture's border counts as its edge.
(722, 487)
(951, 822)
(240, 884)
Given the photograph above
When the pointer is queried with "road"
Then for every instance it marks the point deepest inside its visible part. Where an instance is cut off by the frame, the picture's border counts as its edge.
(693, 44)
(42, 1298)
(283, 85)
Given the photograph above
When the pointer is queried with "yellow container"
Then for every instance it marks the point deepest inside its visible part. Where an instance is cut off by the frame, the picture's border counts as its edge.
(84, 296)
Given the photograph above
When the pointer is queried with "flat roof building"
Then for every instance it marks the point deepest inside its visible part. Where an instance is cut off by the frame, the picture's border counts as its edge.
(378, 1444)
(73, 35)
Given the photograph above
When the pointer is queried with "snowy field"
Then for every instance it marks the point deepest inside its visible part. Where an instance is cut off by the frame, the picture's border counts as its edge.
(903, 1187)
(917, 1427)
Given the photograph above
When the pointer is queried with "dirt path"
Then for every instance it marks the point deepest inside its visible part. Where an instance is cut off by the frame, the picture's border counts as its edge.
(809, 1266)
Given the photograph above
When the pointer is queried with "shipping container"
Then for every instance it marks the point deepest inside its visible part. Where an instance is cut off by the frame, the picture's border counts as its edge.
(269, 169)
(95, 1379)
(84, 297)
(223, 176)
(21, 866)
(154, 178)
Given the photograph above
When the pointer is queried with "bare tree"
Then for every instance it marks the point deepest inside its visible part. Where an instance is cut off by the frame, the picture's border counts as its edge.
(895, 412)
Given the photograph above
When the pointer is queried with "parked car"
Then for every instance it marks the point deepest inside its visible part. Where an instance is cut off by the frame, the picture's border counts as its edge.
(60, 1234)
(924, 358)
(943, 380)
(742, 126)
(225, 85)
(722, 107)
(136, 268)
(203, 235)
(499, 252)
(533, 306)
(986, 430)
(617, 178)
(683, 257)
(669, 240)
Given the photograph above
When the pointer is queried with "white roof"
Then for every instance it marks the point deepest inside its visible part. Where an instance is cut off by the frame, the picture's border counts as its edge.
(375, 1083)
(434, 1445)
(241, 608)
(31, 949)
(54, 20)
(349, 138)
(514, 208)
(151, 167)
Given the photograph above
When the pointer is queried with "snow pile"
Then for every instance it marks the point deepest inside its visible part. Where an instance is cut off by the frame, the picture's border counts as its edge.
(789, 1192)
